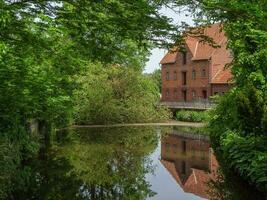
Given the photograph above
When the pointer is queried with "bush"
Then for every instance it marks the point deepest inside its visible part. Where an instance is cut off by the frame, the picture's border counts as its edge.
(248, 156)
(238, 135)
(192, 116)
(117, 94)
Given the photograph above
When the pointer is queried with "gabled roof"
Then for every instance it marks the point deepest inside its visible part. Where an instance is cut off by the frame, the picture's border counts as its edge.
(223, 76)
(170, 57)
(202, 50)
(195, 183)
(172, 170)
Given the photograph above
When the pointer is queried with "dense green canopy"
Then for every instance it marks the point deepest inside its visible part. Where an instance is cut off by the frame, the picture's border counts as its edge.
(46, 47)
(50, 49)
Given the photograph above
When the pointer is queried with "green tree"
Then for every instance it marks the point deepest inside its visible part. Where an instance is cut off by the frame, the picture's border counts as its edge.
(117, 94)
(240, 115)
(44, 46)
(156, 77)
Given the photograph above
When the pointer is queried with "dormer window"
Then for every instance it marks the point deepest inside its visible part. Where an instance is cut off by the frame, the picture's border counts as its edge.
(184, 57)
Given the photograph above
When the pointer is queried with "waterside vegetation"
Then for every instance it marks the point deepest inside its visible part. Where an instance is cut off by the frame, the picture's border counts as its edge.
(51, 52)
(65, 62)
(116, 94)
(192, 116)
(238, 125)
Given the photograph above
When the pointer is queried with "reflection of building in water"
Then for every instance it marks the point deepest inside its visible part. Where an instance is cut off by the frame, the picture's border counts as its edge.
(190, 161)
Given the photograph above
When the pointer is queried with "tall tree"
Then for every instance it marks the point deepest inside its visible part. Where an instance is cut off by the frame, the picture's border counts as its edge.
(44, 45)
(238, 128)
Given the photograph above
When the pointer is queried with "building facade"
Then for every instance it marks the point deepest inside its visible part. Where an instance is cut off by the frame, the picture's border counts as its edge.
(197, 72)
(190, 161)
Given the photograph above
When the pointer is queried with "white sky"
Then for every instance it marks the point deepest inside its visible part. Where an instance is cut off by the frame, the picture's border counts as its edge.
(157, 54)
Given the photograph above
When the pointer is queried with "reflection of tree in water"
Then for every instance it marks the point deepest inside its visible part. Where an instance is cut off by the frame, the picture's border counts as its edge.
(228, 186)
(95, 164)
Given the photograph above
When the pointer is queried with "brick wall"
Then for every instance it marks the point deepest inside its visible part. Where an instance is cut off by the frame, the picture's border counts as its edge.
(185, 153)
(220, 89)
(173, 88)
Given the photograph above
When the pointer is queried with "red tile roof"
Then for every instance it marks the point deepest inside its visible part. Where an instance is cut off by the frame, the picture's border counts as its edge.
(202, 50)
(221, 77)
(170, 57)
(196, 183)
(172, 170)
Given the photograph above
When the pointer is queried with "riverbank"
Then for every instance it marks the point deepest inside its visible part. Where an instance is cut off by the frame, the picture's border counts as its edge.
(169, 123)
(192, 116)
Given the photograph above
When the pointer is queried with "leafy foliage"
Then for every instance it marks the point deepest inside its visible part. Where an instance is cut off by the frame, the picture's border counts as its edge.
(93, 163)
(44, 48)
(116, 94)
(231, 186)
(192, 116)
(156, 76)
(239, 121)
(248, 156)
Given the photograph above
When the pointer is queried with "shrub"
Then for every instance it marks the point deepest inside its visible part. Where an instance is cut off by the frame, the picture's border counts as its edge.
(116, 94)
(248, 156)
(192, 116)
(237, 130)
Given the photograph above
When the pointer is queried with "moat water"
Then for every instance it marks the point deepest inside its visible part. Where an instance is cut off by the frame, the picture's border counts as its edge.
(131, 163)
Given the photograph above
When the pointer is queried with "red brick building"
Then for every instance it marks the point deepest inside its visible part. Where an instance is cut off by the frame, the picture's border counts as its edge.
(190, 161)
(199, 71)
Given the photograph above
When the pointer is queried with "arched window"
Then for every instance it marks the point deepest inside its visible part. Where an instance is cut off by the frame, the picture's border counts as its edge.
(184, 57)
(167, 76)
(175, 75)
(194, 74)
(184, 146)
(203, 73)
(183, 167)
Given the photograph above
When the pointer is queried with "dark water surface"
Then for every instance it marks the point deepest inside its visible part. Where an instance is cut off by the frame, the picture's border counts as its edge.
(125, 163)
